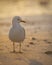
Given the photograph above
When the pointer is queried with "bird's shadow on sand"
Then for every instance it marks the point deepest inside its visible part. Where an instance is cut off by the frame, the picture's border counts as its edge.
(27, 60)
(34, 62)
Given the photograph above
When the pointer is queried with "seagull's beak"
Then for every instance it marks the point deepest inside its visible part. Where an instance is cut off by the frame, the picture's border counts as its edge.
(23, 21)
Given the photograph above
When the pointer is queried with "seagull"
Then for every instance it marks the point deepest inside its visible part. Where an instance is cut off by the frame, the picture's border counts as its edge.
(17, 32)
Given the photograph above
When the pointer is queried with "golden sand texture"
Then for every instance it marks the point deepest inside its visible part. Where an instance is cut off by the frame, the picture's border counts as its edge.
(34, 47)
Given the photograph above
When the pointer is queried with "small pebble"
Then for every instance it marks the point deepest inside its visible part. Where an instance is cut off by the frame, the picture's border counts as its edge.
(27, 45)
(33, 38)
(31, 43)
(48, 52)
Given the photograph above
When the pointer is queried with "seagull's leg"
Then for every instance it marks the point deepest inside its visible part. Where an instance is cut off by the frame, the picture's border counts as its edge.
(20, 48)
(13, 47)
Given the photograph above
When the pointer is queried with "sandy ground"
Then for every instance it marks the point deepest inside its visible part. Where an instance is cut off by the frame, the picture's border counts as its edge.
(36, 48)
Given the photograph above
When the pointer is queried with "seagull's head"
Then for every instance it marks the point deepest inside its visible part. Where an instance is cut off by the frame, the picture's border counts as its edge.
(17, 19)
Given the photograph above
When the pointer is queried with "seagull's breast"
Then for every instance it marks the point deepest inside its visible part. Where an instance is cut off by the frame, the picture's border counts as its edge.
(17, 33)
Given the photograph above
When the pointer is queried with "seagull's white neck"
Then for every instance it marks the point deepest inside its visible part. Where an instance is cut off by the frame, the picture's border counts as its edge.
(15, 23)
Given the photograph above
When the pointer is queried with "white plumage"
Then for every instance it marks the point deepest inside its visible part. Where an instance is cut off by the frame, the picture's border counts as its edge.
(17, 32)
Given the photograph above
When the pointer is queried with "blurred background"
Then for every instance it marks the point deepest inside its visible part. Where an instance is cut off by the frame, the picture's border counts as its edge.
(32, 11)
(9, 8)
